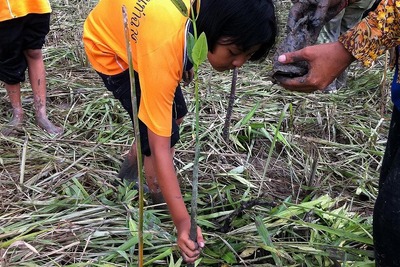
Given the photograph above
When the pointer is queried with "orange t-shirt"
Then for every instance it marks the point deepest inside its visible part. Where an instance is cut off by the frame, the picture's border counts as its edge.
(157, 35)
(10, 9)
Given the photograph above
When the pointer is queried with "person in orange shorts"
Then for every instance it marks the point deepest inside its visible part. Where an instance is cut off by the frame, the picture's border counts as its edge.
(24, 25)
(236, 30)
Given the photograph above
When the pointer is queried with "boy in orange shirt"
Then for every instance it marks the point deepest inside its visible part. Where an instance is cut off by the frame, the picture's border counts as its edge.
(236, 30)
(24, 25)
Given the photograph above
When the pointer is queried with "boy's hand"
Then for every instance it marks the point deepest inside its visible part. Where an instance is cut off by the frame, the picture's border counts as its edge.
(190, 250)
(188, 77)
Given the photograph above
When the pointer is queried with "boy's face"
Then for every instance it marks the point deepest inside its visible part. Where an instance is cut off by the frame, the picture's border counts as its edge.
(229, 56)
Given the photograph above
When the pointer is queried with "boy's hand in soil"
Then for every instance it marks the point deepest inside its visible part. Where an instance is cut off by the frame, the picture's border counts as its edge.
(188, 76)
(190, 250)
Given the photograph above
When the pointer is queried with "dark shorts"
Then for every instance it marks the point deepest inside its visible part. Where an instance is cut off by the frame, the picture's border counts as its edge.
(119, 85)
(16, 36)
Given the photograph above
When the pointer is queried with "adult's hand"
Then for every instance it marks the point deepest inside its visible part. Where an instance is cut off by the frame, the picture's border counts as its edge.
(305, 21)
(325, 63)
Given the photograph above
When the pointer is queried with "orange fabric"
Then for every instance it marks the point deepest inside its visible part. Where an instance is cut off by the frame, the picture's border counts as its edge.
(157, 37)
(10, 9)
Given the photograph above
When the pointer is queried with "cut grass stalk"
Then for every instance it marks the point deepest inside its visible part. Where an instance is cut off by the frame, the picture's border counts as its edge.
(137, 137)
(225, 131)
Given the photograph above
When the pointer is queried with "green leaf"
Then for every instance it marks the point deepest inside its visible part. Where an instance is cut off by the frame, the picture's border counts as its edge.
(279, 136)
(243, 180)
(265, 237)
(81, 188)
(172, 262)
(250, 114)
(190, 45)
(181, 7)
(133, 229)
(200, 50)
(341, 233)
(248, 117)
(124, 255)
(125, 246)
(237, 170)
(162, 255)
(229, 257)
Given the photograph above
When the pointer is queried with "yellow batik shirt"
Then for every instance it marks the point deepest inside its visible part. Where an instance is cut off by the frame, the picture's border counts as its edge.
(375, 34)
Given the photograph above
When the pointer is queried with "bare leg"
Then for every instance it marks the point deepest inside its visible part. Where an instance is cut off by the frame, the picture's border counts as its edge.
(37, 78)
(129, 168)
(150, 174)
(129, 171)
(14, 93)
(151, 180)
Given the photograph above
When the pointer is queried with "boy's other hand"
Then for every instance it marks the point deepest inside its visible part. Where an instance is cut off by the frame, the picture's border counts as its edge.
(188, 76)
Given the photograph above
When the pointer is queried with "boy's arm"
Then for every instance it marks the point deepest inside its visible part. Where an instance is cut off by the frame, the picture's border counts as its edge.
(167, 180)
(169, 185)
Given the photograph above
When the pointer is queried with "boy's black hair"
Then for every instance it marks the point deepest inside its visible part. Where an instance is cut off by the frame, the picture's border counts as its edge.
(245, 22)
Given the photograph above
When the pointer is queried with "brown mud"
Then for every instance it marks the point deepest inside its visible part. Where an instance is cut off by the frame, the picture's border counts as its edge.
(305, 21)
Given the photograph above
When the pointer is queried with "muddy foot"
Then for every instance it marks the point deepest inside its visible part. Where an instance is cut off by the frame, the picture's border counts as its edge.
(14, 126)
(11, 130)
(129, 172)
(48, 126)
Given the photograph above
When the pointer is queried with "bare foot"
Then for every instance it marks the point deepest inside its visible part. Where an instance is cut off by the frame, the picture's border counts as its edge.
(14, 125)
(44, 123)
(129, 169)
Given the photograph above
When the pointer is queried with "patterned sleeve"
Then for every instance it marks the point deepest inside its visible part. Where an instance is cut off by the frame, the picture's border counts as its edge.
(377, 32)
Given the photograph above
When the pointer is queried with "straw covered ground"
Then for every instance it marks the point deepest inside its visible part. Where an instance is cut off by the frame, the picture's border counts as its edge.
(294, 185)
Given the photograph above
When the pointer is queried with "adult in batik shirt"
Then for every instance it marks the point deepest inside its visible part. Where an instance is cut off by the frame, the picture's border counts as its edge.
(370, 38)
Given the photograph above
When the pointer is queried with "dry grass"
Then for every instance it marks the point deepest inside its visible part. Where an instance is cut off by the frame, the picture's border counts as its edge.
(292, 192)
